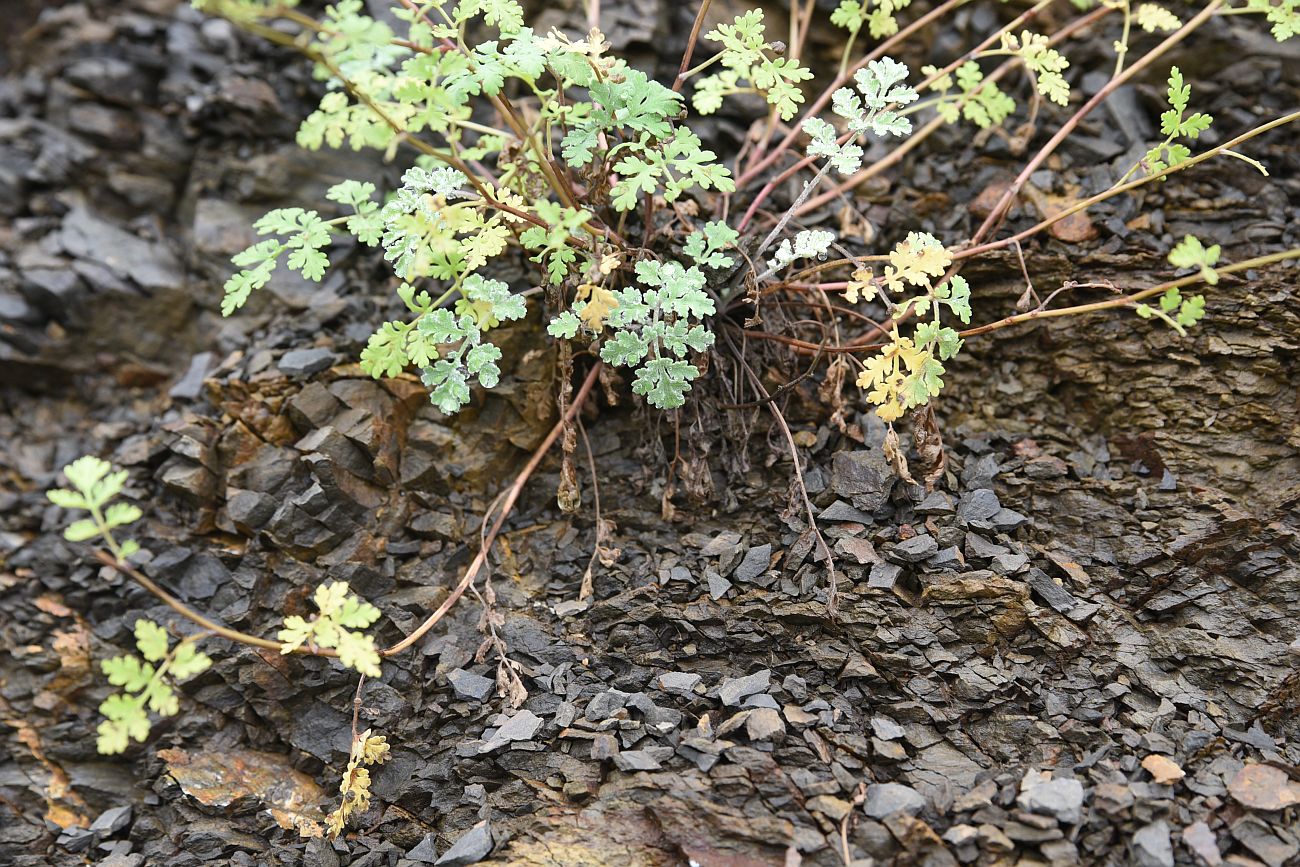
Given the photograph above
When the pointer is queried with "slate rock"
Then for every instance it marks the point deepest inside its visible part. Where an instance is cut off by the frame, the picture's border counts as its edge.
(427, 850)
(718, 586)
(1056, 596)
(864, 476)
(734, 689)
(470, 848)
(1152, 846)
(1007, 520)
(467, 684)
(764, 723)
(947, 558)
(754, 564)
(842, 512)
(860, 551)
(980, 504)
(112, 820)
(936, 503)
(520, 727)
(190, 386)
(250, 510)
(604, 705)
(678, 682)
(1009, 563)
(305, 362)
(637, 760)
(886, 729)
(151, 265)
(979, 548)
(920, 547)
(1062, 798)
(885, 799)
(980, 472)
(884, 575)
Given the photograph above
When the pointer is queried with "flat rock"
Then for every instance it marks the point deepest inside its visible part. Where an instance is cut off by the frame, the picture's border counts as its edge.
(467, 684)
(520, 727)
(920, 547)
(1062, 798)
(764, 723)
(864, 476)
(150, 265)
(755, 563)
(734, 689)
(884, 799)
(678, 682)
(470, 848)
(978, 505)
(305, 362)
(1152, 846)
(884, 575)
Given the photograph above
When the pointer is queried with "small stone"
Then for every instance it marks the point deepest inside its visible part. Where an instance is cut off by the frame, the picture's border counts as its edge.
(1152, 846)
(886, 729)
(978, 505)
(915, 549)
(884, 575)
(603, 705)
(979, 548)
(841, 512)
(679, 682)
(1062, 798)
(734, 689)
(472, 846)
(190, 386)
(864, 476)
(1163, 769)
(860, 551)
(754, 564)
(467, 684)
(1009, 563)
(1200, 839)
(937, 503)
(947, 558)
(426, 851)
(1007, 520)
(829, 806)
(305, 362)
(762, 699)
(520, 727)
(884, 799)
(764, 723)
(718, 586)
(1052, 592)
(113, 820)
(888, 751)
(637, 760)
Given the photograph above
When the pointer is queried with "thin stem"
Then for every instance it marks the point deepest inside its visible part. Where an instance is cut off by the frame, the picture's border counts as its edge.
(252, 640)
(1084, 204)
(683, 71)
(805, 347)
(896, 154)
(507, 504)
(1121, 47)
(824, 100)
(193, 616)
(1004, 203)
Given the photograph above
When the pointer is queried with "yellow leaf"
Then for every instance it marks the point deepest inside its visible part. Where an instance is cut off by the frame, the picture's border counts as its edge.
(600, 301)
